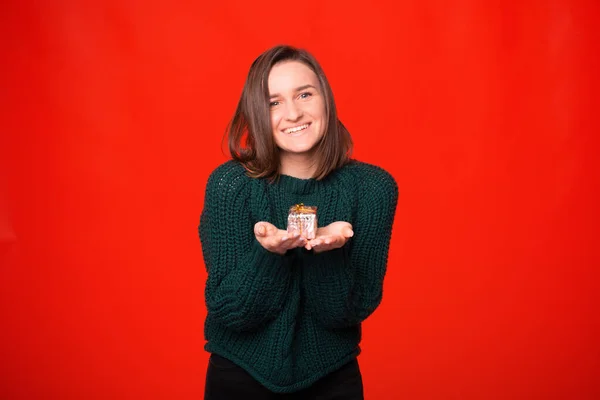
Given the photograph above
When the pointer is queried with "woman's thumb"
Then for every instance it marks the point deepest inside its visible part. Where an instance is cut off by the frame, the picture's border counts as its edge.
(348, 232)
(259, 229)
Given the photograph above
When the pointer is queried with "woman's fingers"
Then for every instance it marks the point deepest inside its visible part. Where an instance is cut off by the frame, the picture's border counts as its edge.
(260, 229)
(331, 237)
(310, 244)
(277, 240)
(330, 242)
(265, 229)
(347, 231)
(288, 236)
(298, 241)
(288, 241)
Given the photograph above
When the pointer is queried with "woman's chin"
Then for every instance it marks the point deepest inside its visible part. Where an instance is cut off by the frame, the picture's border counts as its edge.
(299, 149)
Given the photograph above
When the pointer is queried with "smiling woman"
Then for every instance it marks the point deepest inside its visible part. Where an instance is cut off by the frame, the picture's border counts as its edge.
(287, 89)
(284, 309)
(298, 114)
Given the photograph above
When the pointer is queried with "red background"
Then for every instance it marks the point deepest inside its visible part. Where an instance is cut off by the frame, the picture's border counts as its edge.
(112, 119)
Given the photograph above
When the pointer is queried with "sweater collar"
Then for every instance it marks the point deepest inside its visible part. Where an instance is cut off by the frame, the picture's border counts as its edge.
(298, 185)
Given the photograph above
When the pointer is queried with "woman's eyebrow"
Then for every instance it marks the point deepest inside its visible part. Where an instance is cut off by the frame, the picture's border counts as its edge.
(303, 87)
(298, 89)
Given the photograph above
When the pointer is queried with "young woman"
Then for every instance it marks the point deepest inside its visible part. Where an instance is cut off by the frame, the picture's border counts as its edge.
(284, 311)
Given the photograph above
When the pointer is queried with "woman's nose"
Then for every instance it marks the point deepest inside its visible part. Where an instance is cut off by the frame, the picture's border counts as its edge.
(293, 112)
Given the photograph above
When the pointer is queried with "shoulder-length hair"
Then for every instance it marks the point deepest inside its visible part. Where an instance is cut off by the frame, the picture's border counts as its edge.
(250, 134)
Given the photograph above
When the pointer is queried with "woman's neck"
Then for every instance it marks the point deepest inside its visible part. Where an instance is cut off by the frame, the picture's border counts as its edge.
(298, 165)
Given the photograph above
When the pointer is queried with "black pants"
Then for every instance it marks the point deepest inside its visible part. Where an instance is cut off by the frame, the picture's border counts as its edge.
(226, 381)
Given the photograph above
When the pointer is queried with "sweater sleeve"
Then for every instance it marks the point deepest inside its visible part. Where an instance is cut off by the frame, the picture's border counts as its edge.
(246, 283)
(344, 286)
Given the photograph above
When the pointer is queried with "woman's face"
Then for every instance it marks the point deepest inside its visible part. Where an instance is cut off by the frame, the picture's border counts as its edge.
(297, 108)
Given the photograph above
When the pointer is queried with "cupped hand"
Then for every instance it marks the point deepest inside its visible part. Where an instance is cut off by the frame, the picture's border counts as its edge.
(277, 240)
(330, 237)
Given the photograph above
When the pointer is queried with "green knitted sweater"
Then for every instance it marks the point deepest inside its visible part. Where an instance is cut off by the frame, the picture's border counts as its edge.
(291, 319)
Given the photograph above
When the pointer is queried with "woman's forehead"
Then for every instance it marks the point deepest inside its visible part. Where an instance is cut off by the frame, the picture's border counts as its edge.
(291, 75)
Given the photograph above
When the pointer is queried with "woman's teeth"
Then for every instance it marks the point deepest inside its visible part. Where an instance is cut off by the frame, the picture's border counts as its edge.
(296, 129)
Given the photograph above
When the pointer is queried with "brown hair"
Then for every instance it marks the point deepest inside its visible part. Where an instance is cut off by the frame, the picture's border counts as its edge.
(250, 134)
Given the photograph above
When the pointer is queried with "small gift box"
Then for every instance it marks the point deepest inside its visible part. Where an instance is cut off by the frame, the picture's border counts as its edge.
(303, 220)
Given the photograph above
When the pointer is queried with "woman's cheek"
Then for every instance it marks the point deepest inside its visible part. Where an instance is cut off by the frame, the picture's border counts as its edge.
(275, 118)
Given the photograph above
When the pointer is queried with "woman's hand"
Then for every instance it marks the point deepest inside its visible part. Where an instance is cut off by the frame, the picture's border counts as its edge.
(333, 236)
(276, 240)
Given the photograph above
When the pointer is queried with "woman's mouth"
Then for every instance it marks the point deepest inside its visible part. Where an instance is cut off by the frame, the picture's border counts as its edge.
(296, 129)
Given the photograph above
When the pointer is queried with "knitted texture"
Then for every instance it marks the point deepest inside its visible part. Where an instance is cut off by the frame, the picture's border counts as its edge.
(291, 319)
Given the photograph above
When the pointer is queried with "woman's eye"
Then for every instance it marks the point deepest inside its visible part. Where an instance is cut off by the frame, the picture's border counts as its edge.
(305, 95)
(273, 104)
